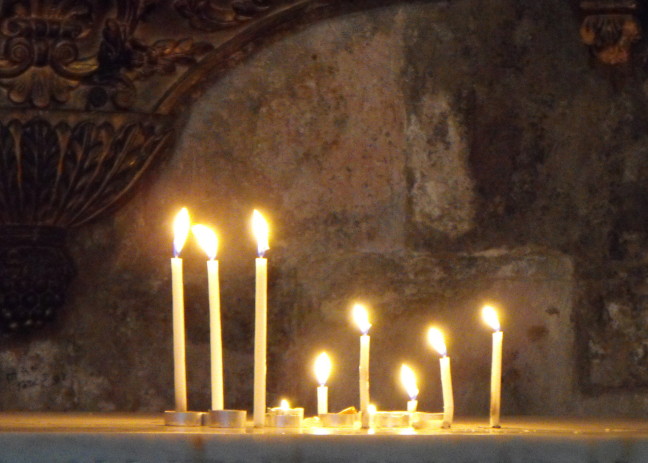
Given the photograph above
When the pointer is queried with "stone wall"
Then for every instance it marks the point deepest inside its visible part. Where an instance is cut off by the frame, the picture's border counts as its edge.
(425, 158)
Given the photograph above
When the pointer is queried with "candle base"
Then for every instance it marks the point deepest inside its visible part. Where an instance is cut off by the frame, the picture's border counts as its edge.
(226, 418)
(424, 420)
(392, 419)
(338, 420)
(173, 418)
(291, 418)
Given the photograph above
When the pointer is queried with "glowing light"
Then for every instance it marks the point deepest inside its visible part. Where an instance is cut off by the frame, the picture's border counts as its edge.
(206, 239)
(261, 232)
(489, 314)
(437, 341)
(322, 368)
(408, 378)
(284, 405)
(181, 227)
(361, 318)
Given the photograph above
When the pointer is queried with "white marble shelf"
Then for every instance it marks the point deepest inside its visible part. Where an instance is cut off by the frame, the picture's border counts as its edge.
(122, 438)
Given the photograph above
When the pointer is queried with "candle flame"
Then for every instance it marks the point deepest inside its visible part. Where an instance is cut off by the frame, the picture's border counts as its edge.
(489, 314)
(181, 226)
(372, 409)
(408, 378)
(361, 318)
(437, 341)
(206, 239)
(284, 405)
(261, 232)
(322, 368)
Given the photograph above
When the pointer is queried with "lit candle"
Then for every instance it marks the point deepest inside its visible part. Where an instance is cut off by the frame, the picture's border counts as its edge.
(181, 226)
(209, 242)
(260, 228)
(322, 372)
(435, 338)
(361, 318)
(408, 378)
(490, 317)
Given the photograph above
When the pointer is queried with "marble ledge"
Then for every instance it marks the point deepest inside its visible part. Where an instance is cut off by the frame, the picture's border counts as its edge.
(134, 438)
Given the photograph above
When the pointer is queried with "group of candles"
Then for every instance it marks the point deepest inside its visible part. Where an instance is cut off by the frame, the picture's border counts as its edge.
(208, 241)
(408, 378)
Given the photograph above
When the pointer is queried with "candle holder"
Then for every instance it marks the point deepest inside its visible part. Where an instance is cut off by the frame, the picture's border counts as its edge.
(173, 418)
(338, 420)
(396, 419)
(284, 418)
(424, 420)
(226, 418)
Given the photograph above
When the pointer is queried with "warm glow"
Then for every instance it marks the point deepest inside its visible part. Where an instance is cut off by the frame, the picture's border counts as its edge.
(181, 226)
(261, 232)
(361, 318)
(284, 405)
(489, 314)
(436, 340)
(408, 378)
(206, 239)
(372, 409)
(322, 368)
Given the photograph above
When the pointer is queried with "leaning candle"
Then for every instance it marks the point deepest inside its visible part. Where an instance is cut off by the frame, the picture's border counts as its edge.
(209, 242)
(436, 340)
(490, 317)
(181, 226)
(260, 228)
(362, 320)
(408, 378)
(322, 372)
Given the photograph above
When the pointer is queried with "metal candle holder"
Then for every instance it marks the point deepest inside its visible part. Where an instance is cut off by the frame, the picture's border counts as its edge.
(173, 418)
(226, 418)
(338, 420)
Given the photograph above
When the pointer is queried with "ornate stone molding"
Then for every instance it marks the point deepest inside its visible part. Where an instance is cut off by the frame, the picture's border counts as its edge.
(610, 28)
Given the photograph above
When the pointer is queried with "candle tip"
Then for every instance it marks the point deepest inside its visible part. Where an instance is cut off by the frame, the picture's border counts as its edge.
(261, 231)
(181, 227)
(361, 318)
(489, 314)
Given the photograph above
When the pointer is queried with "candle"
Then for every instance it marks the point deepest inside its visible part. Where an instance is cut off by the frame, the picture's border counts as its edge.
(361, 318)
(490, 317)
(260, 228)
(322, 372)
(408, 378)
(209, 242)
(436, 340)
(284, 416)
(181, 227)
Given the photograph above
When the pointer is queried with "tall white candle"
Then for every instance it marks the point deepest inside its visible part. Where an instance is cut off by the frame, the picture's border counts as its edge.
(260, 227)
(490, 317)
(181, 230)
(408, 378)
(362, 320)
(209, 242)
(322, 372)
(437, 341)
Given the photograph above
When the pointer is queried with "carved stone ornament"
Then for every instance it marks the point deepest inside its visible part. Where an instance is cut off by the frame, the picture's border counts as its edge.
(610, 28)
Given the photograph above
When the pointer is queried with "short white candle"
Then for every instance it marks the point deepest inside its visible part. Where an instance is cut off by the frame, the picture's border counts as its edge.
(408, 378)
(361, 318)
(209, 242)
(490, 317)
(322, 372)
(181, 226)
(437, 341)
(261, 231)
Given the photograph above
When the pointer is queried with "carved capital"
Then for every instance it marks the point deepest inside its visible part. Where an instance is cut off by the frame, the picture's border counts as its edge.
(610, 28)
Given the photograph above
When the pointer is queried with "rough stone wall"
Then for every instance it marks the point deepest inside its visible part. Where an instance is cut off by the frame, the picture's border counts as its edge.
(425, 158)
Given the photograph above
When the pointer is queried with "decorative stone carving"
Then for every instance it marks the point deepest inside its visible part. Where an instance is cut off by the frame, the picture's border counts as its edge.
(610, 28)
(213, 15)
(53, 48)
(55, 174)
